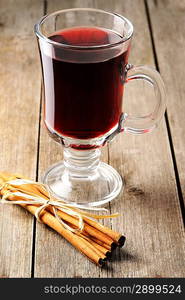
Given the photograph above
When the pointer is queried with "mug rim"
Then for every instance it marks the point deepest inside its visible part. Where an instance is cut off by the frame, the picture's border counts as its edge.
(40, 35)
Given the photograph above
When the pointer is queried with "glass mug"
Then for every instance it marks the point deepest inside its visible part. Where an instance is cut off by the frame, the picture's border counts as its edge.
(84, 58)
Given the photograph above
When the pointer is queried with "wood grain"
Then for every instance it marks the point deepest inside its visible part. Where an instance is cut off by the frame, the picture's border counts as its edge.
(151, 215)
(19, 113)
(53, 262)
(170, 43)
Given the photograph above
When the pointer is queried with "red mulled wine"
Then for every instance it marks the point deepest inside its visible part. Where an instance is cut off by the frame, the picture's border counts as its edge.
(83, 86)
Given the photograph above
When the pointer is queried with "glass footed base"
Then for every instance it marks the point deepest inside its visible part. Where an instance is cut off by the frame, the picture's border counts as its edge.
(91, 189)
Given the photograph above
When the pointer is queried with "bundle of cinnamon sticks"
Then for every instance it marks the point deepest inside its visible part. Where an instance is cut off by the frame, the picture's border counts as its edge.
(93, 239)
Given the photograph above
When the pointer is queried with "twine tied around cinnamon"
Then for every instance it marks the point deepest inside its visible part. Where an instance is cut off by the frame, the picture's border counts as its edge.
(30, 199)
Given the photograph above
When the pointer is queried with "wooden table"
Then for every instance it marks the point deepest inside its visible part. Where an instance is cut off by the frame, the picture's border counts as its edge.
(153, 165)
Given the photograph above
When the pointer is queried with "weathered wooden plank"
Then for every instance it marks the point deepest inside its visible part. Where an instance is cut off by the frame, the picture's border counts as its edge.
(170, 42)
(53, 262)
(19, 115)
(151, 215)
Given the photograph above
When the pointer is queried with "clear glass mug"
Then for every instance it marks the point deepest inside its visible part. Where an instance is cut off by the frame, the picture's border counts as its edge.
(84, 57)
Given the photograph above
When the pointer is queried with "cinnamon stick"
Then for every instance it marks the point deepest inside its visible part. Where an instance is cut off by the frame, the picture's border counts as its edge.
(99, 247)
(102, 249)
(117, 237)
(108, 247)
(79, 243)
(38, 189)
(95, 241)
(72, 238)
(87, 228)
(93, 247)
(100, 243)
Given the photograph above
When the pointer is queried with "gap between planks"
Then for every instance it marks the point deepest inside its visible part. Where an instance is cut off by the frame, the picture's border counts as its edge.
(37, 165)
(176, 172)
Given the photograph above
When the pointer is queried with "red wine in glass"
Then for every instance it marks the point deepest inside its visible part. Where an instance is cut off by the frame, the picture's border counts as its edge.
(83, 98)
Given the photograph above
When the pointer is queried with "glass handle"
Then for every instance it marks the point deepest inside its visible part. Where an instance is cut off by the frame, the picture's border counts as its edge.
(144, 124)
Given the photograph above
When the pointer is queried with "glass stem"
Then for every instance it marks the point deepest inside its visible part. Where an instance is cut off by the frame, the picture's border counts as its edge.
(82, 163)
